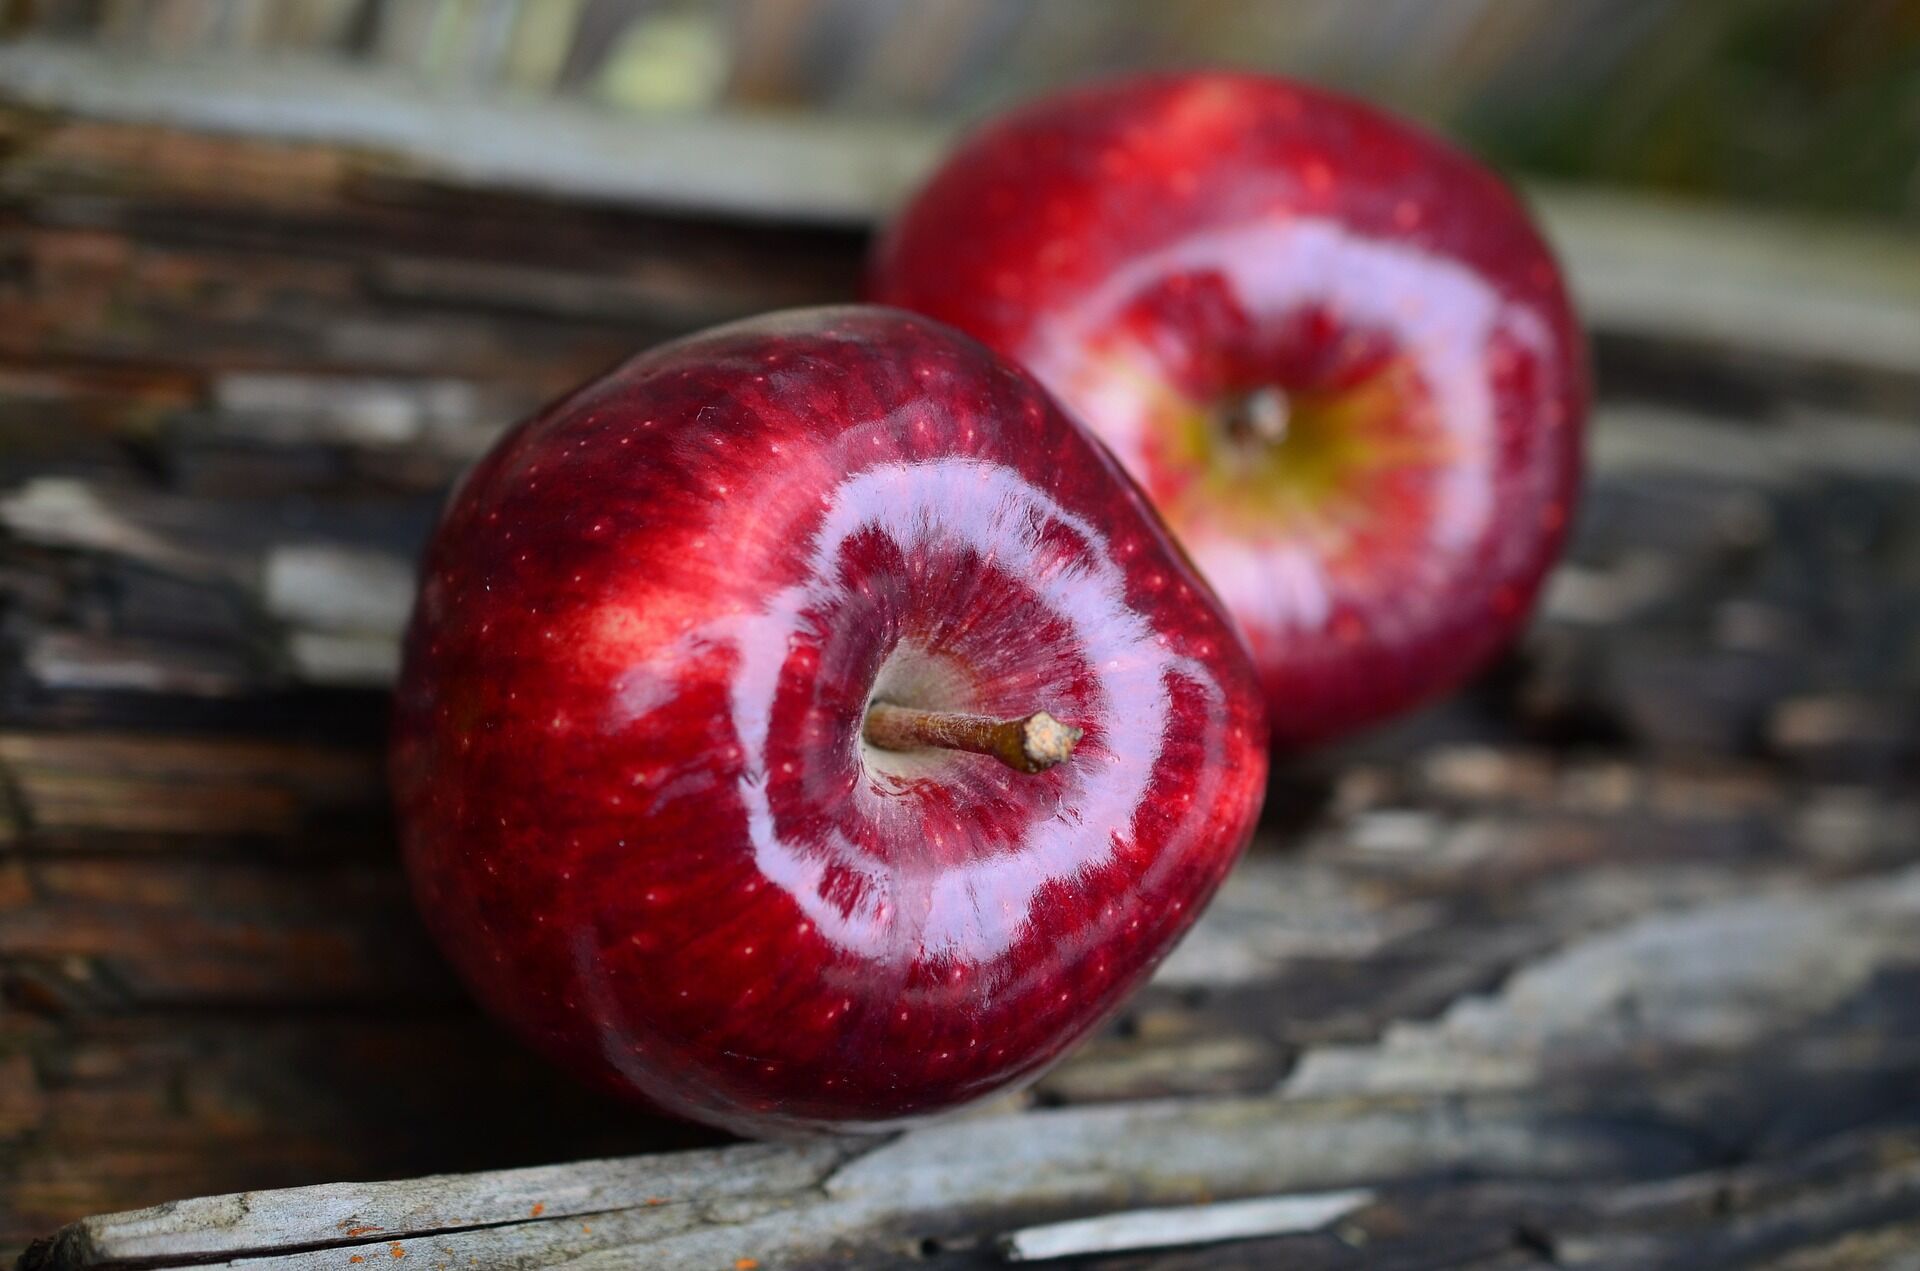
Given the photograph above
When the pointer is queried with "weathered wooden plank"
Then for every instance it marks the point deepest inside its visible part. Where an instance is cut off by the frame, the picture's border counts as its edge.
(1770, 286)
(110, 934)
(1847, 1204)
(781, 169)
(1708, 278)
(858, 1221)
(1721, 1014)
(1728, 976)
(131, 782)
(1044, 1163)
(356, 1213)
(123, 1100)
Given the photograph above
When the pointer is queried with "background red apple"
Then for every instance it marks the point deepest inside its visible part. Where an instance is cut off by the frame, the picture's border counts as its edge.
(644, 797)
(1333, 349)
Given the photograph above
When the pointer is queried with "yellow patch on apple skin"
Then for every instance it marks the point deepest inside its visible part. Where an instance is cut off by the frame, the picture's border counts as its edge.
(1319, 476)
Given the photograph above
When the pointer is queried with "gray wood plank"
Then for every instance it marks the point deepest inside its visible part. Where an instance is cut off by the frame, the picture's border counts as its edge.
(1847, 295)
(1541, 1081)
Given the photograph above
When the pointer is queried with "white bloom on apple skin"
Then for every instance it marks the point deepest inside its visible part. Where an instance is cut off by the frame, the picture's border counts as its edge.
(1276, 268)
(994, 510)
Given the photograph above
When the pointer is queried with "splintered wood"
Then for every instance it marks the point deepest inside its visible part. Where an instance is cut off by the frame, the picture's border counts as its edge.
(1613, 960)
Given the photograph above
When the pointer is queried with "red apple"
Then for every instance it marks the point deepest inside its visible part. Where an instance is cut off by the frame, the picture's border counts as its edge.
(1333, 349)
(683, 753)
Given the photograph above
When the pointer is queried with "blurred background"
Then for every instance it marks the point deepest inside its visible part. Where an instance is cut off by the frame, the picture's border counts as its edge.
(1788, 103)
(1643, 902)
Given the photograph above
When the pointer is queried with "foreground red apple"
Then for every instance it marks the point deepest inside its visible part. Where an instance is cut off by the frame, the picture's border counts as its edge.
(1333, 349)
(683, 752)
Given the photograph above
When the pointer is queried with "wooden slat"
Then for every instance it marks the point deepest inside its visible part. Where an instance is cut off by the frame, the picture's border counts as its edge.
(779, 169)
(185, 785)
(1674, 1040)
(1767, 285)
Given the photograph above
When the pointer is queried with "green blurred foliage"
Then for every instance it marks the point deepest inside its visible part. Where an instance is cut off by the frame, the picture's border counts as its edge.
(1770, 101)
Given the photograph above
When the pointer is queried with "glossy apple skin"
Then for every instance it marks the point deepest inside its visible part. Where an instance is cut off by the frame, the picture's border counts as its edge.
(634, 798)
(1151, 248)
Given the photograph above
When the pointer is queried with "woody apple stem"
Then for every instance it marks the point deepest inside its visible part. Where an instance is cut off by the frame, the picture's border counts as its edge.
(1032, 743)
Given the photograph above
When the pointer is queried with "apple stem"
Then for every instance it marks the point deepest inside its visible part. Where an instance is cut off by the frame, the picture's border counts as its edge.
(1032, 743)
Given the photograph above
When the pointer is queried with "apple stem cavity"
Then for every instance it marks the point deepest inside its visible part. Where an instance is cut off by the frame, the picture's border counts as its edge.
(1031, 743)
(1259, 417)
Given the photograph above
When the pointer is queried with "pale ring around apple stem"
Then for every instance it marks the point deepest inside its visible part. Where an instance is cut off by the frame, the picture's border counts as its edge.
(1032, 743)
